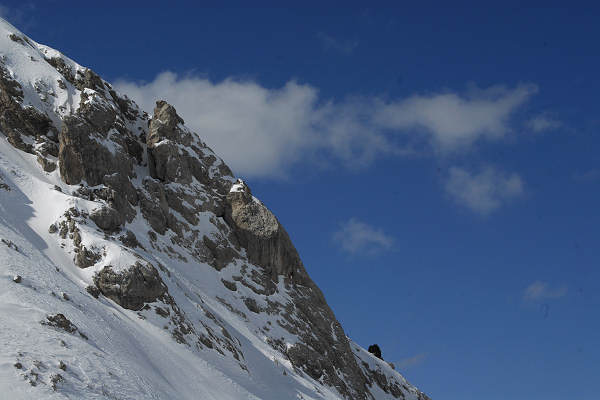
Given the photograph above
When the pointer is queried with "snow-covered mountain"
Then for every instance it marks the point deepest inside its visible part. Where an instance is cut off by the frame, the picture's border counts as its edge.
(135, 266)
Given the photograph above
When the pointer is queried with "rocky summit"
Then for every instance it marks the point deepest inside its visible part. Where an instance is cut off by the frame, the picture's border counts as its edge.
(146, 270)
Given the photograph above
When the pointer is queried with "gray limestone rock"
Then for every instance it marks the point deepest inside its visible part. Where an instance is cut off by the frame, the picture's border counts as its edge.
(85, 257)
(131, 288)
(166, 161)
(266, 241)
(321, 354)
(97, 111)
(129, 240)
(153, 205)
(16, 120)
(221, 255)
(80, 156)
(46, 164)
(164, 125)
(59, 64)
(88, 79)
(107, 218)
(167, 164)
(121, 195)
(93, 290)
(59, 321)
(176, 155)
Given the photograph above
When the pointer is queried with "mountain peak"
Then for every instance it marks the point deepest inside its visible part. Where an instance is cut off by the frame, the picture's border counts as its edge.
(176, 281)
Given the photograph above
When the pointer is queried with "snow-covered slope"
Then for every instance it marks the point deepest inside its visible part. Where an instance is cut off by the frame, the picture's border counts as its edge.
(135, 266)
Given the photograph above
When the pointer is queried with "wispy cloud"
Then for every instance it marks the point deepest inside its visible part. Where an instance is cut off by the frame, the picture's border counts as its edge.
(539, 291)
(483, 191)
(340, 45)
(408, 362)
(542, 122)
(454, 122)
(355, 236)
(263, 132)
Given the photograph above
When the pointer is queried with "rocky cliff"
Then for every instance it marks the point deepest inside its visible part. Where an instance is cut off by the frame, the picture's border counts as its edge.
(139, 219)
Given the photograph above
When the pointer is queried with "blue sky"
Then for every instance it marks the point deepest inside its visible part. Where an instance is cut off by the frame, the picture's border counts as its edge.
(436, 166)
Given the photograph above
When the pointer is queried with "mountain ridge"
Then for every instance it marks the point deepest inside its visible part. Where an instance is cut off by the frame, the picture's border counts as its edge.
(140, 251)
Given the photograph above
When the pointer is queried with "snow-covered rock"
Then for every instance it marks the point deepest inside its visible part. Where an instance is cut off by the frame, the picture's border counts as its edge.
(146, 271)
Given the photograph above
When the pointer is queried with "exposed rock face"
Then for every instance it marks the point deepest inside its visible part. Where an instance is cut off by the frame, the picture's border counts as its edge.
(153, 204)
(107, 218)
(83, 157)
(96, 146)
(85, 258)
(16, 120)
(59, 321)
(97, 110)
(93, 290)
(131, 288)
(323, 352)
(164, 125)
(260, 233)
(167, 161)
(47, 165)
(18, 123)
(175, 154)
(329, 353)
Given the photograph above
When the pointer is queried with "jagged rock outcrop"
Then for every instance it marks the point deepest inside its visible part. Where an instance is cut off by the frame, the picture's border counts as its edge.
(153, 204)
(176, 155)
(80, 155)
(107, 218)
(16, 120)
(131, 288)
(168, 144)
(260, 233)
(323, 352)
(85, 257)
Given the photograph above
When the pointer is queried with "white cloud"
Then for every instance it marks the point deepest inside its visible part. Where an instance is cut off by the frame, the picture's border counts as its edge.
(355, 236)
(260, 131)
(542, 122)
(263, 132)
(454, 122)
(484, 191)
(343, 46)
(408, 362)
(538, 291)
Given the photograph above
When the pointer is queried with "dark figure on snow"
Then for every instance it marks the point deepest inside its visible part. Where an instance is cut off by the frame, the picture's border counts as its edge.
(375, 350)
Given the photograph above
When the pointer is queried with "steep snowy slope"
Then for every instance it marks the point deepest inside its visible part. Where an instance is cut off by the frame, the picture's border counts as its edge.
(135, 266)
